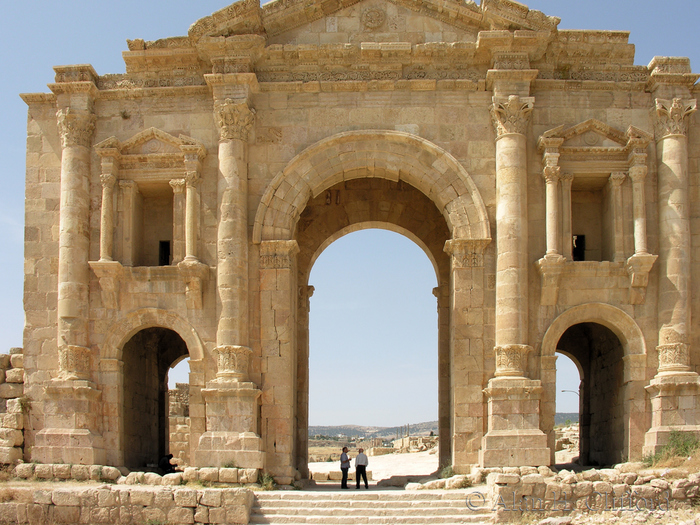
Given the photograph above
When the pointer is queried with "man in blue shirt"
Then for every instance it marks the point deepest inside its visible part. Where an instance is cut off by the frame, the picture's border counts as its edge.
(344, 467)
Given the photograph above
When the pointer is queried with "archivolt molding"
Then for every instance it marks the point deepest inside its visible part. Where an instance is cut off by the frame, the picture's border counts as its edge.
(392, 155)
(123, 330)
(619, 322)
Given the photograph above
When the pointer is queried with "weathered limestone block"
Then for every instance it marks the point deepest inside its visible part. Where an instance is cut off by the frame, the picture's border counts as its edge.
(17, 360)
(151, 478)
(11, 390)
(110, 473)
(24, 470)
(43, 471)
(14, 375)
(210, 498)
(10, 437)
(185, 497)
(173, 479)
(209, 474)
(61, 471)
(228, 475)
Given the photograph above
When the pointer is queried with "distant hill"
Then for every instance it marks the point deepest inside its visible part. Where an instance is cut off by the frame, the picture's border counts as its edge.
(560, 418)
(416, 429)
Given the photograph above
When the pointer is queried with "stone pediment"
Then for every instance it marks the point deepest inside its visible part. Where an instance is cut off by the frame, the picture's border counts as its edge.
(281, 16)
(592, 135)
(152, 141)
(152, 149)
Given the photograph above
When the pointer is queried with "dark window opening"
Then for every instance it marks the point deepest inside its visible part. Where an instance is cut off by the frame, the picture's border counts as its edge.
(163, 253)
(579, 244)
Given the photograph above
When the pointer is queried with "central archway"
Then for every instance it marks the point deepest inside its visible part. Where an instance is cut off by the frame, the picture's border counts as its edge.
(347, 182)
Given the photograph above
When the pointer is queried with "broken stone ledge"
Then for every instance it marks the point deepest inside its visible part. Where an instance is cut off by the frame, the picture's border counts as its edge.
(122, 476)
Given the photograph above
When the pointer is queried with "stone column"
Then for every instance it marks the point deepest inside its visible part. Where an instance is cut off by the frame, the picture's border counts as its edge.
(234, 119)
(638, 175)
(178, 186)
(191, 216)
(108, 179)
(675, 391)
(467, 317)
(566, 229)
(231, 399)
(616, 179)
(305, 293)
(442, 294)
(72, 424)
(514, 437)
(551, 177)
(278, 322)
(674, 231)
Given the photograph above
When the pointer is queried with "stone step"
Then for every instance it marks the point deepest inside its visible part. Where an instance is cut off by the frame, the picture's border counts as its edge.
(476, 519)
(360, 508)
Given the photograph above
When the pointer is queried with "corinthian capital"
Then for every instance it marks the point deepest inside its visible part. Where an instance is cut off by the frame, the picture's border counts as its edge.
(75, 127)
(510, 115)
(670, 116)
(233, 119)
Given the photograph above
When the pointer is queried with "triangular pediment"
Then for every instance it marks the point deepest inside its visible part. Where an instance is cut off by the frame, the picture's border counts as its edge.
(152, 141)
(282, 16)
(593, 133)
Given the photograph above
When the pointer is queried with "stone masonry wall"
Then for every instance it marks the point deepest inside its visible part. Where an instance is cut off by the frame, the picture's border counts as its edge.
(13, 405)
(125, 504)
(179, 424)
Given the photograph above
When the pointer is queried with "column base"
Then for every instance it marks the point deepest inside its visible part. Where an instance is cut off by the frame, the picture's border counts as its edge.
(675, 406)
(242, 450)
(514, 448)
(514, 438)
(65, 445)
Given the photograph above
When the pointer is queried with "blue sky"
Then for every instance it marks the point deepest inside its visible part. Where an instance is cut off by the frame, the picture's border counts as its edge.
(366, 372)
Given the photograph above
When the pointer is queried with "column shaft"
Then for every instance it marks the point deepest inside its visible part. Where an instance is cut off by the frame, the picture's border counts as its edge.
(191, 221)
(551, 175)
(616, 180)
(566, 234)
(511, 240)
(638, 176)
(107, 217)
(178, 186)
(73, 271)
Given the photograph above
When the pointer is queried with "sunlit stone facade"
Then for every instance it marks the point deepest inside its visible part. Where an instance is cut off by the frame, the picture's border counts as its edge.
(176, 210)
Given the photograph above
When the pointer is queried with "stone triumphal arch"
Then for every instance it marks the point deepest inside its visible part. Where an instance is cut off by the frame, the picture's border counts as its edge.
(176, 210)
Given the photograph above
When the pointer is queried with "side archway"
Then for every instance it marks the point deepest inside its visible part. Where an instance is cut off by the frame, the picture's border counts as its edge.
(388, 154)
(113, 370)
(610, 351)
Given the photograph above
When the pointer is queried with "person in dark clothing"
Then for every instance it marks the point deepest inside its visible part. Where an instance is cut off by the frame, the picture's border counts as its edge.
(344, 467)
(165, 465)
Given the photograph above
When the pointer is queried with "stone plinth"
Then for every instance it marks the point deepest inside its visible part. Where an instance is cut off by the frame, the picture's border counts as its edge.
(231, 422)
(72, 421)
(514, 438)
(675, 405)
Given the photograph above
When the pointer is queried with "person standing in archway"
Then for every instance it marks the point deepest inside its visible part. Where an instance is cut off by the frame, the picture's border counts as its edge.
(361, 463)
(344, 467)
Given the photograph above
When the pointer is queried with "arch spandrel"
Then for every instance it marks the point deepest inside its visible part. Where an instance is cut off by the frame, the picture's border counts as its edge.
(124, 329)
(388, 154)
(616, 320)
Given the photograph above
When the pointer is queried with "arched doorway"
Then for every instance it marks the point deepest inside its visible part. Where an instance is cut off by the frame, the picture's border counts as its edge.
(373, 355)
(147, 358)
(355, 180)
(609, 347)
(355, 205)
(599, 353)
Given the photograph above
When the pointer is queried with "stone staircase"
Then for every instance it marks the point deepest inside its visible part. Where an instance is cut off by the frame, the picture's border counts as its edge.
(364, 507)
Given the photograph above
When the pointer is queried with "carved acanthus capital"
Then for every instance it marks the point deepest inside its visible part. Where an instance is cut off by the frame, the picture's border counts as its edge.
(278, 254)
(511, 360)
(108, 180)
(74, 362)
(673, 358)
(466, 253)
(617, 178)
(511, 115)
(178, 185)
(191, 178)
(551, 174)
(566, 177)
(232, 363)
(550, 268)
(234, 119)
(638, 268)
(670, 116)
(75, 127)
(305, 294)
